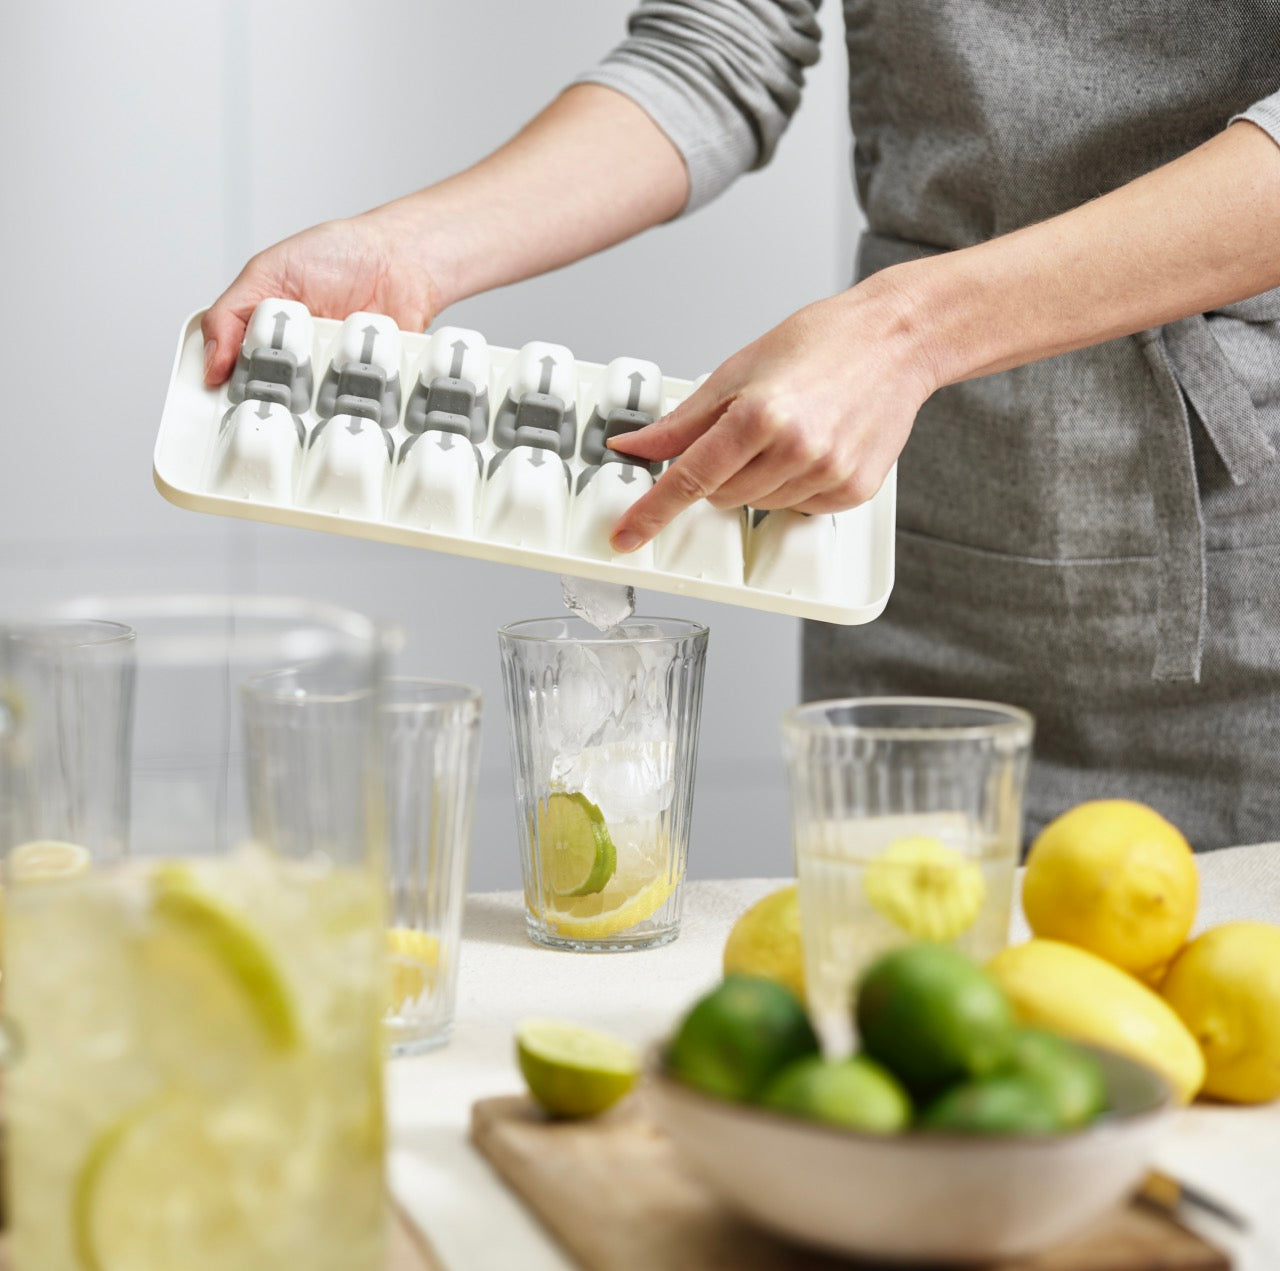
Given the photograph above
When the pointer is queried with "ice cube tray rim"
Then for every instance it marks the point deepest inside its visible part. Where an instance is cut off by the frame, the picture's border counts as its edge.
(189, 408)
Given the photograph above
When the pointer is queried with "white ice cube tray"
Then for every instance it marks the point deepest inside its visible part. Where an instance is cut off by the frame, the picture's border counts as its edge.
(441, 441)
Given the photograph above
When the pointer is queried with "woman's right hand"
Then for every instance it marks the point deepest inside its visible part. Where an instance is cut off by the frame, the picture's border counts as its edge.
(369, 262)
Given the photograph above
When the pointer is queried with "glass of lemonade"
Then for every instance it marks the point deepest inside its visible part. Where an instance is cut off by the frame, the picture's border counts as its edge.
(604, 742)
(197, 1080)
(907, 825)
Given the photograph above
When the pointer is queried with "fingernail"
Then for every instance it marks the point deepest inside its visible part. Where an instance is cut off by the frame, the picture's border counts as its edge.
(210, 346)
(626, 541)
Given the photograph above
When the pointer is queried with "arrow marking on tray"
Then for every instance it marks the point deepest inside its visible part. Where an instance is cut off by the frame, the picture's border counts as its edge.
(637, 383)
(354, 426)
(264, 409)
(366, 349)
(548, 365)
(446, 439)
(538, 458)
(459, 348)
(277, 332)
(628, 473)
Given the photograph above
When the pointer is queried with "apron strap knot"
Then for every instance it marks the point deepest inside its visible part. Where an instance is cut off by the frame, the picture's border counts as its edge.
(1218, 397)
(1182, 595)
(1192, 373)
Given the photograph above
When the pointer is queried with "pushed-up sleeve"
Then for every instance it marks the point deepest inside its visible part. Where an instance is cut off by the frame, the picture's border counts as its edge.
(721, 78)
(1266, 114)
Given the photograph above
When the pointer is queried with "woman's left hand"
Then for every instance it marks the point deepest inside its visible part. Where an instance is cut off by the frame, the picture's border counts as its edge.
(811, 416)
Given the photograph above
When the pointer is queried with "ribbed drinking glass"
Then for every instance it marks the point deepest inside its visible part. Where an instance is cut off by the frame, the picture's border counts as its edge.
(906, 824)
(604, 744)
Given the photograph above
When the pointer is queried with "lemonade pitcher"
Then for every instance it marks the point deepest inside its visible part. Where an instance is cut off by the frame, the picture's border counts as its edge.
(197, 1078)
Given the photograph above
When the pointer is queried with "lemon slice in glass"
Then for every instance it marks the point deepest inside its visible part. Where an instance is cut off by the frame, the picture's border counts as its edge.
(606, 913)
(928, 889)
(415, 958)
(573, 1071)
(46, 860)
(180, 1183)
(576, 854)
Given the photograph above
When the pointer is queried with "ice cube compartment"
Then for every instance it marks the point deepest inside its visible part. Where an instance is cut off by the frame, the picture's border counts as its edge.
(442, 441)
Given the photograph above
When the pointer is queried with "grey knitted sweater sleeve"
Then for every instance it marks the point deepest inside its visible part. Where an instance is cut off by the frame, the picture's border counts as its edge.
(721, 78)
(1266, 114)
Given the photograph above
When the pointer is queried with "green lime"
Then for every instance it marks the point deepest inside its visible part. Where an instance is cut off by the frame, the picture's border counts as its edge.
(200, 945)
(1071, 1077)
(933, 1016)
(1008, 1103)
(855, 1093)
(576, 854)
(573, 1071)
(737, 1038)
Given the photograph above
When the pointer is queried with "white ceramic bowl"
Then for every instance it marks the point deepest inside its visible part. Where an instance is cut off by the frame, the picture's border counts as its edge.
(918, 1196)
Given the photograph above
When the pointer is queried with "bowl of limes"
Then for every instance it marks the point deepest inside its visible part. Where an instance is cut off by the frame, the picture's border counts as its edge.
(953, 1135)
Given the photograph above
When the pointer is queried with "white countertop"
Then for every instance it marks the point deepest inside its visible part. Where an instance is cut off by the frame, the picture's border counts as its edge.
(476, 1224)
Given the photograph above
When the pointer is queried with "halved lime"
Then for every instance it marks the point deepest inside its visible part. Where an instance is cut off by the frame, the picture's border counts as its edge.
(574, 1071)
(46, 860)
(199, 945)
(415, 958)
(928, 889)
(576, 854)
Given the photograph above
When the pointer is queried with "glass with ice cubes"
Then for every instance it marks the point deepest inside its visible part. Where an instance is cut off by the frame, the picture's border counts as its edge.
(604, 741)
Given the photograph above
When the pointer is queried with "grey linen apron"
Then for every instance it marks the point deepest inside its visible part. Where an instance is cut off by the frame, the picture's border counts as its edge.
(1095, 537)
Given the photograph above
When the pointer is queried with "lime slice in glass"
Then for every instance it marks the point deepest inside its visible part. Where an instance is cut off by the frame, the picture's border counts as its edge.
(573, 1071)
(199, 948)
(577, 855)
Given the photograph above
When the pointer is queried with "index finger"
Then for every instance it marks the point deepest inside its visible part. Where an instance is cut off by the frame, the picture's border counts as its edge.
(715, 457)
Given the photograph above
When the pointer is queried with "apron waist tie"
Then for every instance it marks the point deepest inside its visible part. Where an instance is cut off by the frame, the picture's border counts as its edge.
(1192, 374)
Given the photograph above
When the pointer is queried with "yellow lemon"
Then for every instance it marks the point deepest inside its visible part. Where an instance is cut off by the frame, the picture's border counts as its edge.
(1225, 986)
(1115, 878)
(1073, 992)
(765, 941)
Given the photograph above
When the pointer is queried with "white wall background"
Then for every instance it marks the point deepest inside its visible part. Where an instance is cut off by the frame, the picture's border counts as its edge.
(150, 147)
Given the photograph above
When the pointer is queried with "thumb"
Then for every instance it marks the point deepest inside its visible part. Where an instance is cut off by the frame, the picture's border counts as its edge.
(223, 329)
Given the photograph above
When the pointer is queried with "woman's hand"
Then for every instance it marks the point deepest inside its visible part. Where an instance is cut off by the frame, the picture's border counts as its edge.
(366, 263)
(810, 416)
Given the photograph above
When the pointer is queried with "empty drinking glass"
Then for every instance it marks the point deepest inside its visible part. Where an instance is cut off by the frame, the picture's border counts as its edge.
(431, 751)
(429, 744)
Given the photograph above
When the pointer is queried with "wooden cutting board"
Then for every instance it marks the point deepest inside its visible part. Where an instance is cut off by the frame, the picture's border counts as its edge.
(615, 1194)
(407, 1249)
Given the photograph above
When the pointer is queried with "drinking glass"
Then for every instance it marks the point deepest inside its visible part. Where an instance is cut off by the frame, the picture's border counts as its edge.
(604, 744)
(907, 824)
(429, 733)
(66, 691)
(198, 1078)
